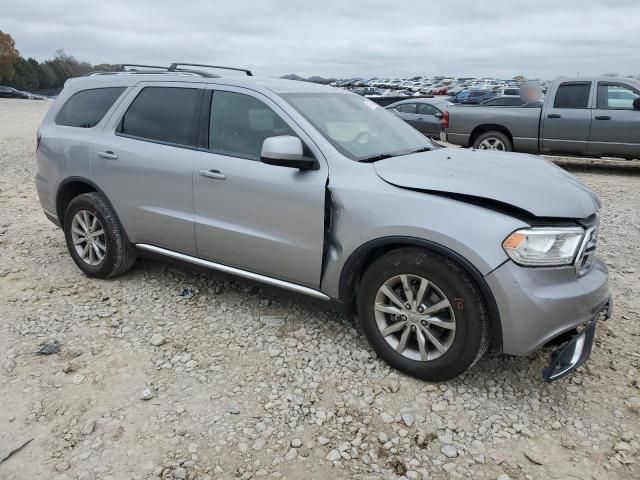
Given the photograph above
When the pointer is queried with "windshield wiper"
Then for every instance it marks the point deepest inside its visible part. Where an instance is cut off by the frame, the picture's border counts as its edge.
(419, 150)
(382, 156)
(375, 158)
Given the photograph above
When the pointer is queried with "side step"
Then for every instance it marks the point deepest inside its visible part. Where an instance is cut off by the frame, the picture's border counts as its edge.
(235, 271)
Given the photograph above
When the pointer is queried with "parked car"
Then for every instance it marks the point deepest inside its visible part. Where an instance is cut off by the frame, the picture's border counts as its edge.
(503, 102)
(425, 115)
(443, 253)
(10, 92)
(510, 92)
(473, 97)
(580, 116)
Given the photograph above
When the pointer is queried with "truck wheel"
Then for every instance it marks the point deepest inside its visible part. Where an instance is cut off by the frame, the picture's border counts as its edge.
(423, 314)
(95, 238)
(493, 141)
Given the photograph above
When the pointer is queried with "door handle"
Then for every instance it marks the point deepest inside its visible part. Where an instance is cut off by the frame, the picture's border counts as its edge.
(603, 117)
(109, 155)
(554, 115)
(216, 174)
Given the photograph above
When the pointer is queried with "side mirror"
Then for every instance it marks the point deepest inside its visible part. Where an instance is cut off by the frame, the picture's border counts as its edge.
(286, 151)
(438, 115)
(636, 104)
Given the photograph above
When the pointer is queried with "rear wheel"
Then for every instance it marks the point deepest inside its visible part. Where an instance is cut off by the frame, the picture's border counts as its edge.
(422, 314)
(95, 239)
(493, 141)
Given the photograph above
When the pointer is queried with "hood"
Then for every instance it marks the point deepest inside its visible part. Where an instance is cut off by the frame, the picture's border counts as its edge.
(527, 182)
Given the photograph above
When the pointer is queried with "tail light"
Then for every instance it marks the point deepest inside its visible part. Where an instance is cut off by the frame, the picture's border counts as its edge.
(445, 120)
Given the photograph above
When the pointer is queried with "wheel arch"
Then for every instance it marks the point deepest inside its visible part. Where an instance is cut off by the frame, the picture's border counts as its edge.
(70, 188)
(364, 255)
(489, 127)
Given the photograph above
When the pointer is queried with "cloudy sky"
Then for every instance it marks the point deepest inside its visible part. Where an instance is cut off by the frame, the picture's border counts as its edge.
(342, 38)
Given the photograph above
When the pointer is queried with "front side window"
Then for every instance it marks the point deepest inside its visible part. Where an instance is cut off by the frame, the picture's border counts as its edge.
(163, 114)
(616, 96)
(407, 108)
(357, 127)
(572, 95)
(240, 124)
(426, 109)
(86, 108)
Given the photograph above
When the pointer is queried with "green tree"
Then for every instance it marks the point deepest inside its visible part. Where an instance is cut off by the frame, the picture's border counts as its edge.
(8, 56)
(25, 77)
(46, 76)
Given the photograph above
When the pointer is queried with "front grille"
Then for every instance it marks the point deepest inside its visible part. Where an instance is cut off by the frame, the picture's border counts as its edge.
(587, 251)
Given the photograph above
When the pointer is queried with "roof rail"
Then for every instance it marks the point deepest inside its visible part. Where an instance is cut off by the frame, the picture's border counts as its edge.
(124, 65)
(151, 72)
(174, 67)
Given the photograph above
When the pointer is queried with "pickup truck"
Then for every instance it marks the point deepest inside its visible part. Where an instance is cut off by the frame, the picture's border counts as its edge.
(580, 116)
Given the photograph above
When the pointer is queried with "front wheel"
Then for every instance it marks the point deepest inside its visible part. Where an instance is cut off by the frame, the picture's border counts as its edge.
(497, 141)
(422, 314)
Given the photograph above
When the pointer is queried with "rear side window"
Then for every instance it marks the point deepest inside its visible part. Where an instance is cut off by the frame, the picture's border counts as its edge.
(85, 109)
(572, 95)
(163, 114)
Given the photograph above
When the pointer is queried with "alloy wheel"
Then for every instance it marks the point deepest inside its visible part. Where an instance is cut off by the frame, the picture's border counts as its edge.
(492, 143)
(88, 237)
(415, 317)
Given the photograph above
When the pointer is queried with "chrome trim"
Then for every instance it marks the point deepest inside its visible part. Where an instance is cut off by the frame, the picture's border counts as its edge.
(590, 236)
(235, 271)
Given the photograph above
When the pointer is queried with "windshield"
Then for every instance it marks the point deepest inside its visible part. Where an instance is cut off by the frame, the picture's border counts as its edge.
(357, 127)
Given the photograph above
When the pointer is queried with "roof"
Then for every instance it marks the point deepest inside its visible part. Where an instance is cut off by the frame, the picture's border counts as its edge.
(124, 79)
(432, 101)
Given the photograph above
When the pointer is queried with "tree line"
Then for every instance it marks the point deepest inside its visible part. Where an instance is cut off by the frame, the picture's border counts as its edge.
(30, 75)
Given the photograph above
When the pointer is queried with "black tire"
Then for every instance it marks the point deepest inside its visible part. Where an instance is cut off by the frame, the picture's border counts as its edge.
(471, 340)
(119, 256)
(506, 141)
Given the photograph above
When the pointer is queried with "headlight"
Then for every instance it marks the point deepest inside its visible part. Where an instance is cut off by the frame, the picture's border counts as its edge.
(544, 247)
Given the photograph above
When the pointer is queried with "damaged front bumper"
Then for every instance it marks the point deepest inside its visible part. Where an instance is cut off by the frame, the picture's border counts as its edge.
(577, 349)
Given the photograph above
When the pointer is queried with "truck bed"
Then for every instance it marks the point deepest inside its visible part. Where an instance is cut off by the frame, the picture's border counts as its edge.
(466, 122)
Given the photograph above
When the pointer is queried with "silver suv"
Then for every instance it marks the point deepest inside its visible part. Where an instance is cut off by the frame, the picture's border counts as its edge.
(443, 253)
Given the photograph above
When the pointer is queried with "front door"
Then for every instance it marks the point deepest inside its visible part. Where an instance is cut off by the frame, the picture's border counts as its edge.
(144, 163)
(615, 125)
(566, 123)
(253, 216)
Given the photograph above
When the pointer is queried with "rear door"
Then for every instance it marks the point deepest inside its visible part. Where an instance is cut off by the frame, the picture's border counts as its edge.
(567, 122)
(144, 163)
(615, 126)
(257, 217)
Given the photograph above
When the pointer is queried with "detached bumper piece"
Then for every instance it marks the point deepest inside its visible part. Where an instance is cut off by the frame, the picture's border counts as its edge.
(575, 351)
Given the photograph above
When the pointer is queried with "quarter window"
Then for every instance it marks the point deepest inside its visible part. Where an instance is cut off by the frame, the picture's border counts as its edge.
(240, 124)
(616, 96)
(163, 114)
(572, 95)
(85, 109)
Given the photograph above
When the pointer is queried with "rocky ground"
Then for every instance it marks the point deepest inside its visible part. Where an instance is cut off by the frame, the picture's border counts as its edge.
(239, 382)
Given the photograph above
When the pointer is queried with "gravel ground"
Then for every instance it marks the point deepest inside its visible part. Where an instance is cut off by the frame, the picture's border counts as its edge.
(240, 382)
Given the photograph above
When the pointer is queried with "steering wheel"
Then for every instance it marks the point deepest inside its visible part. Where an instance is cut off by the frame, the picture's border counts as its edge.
(360, 138)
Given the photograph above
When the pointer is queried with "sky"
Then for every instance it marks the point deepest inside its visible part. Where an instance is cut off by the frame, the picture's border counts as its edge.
(340, 38)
